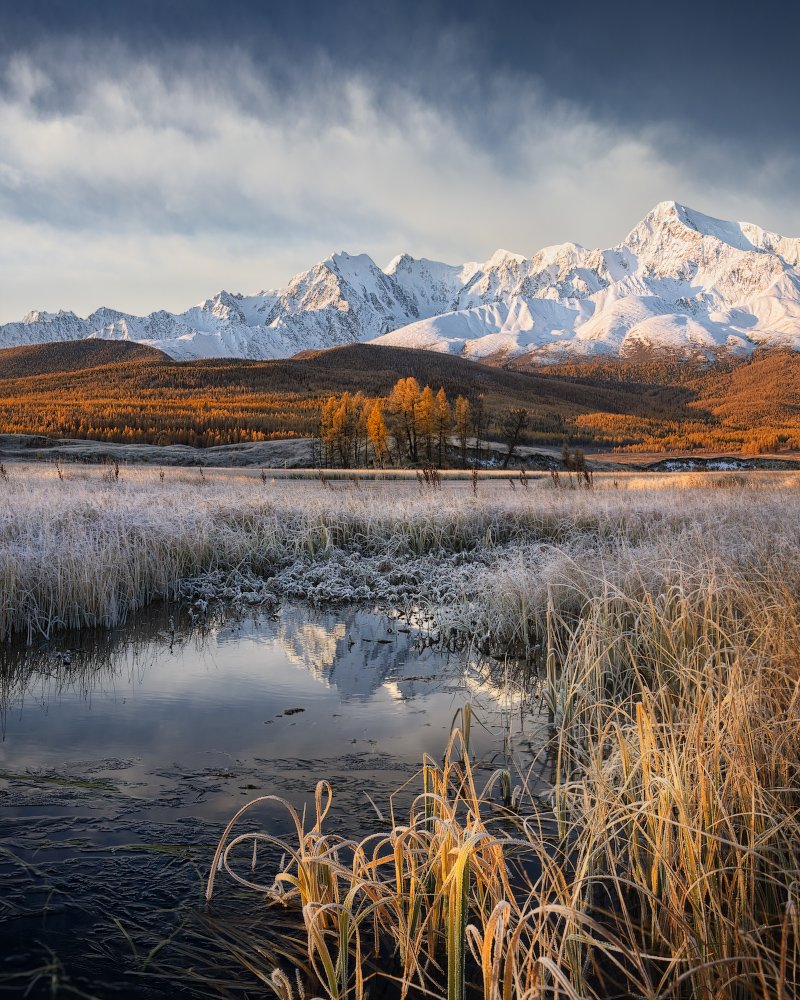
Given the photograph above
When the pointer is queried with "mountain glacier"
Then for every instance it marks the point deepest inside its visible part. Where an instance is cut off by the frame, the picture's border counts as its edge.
(680, 281)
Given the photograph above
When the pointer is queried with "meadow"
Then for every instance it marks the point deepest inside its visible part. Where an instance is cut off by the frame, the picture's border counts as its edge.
(653, 850)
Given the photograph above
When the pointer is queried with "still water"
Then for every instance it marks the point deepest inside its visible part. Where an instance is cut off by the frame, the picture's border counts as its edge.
(124, 754)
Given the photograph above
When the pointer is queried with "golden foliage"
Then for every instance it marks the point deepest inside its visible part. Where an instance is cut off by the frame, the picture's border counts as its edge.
(79, 391)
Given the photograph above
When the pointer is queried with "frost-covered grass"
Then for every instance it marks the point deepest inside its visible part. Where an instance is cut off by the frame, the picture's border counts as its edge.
(663, 615)
(82, 548)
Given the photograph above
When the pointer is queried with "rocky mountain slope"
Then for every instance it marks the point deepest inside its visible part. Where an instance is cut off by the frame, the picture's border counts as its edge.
(680, 282)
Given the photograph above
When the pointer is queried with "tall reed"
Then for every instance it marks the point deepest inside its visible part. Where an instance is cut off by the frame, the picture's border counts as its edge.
(661, 857)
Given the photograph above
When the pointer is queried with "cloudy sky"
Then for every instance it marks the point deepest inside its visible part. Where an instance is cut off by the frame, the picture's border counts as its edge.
(153, 152)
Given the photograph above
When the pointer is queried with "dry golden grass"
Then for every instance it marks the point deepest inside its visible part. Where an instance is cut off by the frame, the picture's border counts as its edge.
(665, 862)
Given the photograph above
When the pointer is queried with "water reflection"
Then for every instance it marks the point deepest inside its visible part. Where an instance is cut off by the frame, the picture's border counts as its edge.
(353, 651)
(153, 735)
(362, 654)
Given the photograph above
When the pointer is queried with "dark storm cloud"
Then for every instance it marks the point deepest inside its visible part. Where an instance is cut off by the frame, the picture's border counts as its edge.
(730, 68)
(151, 151)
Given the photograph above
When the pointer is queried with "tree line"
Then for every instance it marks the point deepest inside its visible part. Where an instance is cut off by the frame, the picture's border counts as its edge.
(413, 424)
(749, 408)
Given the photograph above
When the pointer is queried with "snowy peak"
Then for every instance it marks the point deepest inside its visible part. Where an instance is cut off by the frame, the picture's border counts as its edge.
(505, 258)
(662, 231)
(346, 283)
(667, 215)
(223, 306)
(680, 281)
(669, 219)
(433, 287)
(738, 235)
(402, 262)
(674, 225)
(38, 316)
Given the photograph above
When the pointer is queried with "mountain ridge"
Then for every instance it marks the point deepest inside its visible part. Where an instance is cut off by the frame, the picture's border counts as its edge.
(680, 281)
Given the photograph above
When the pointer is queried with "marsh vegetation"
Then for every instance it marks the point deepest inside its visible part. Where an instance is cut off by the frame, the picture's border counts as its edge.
(651, 848)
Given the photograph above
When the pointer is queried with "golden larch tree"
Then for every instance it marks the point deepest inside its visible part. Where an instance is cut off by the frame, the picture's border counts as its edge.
(444, 423)
(377, 433)
(426, 420)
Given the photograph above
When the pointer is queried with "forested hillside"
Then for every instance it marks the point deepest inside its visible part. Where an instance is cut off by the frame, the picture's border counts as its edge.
(129, 393)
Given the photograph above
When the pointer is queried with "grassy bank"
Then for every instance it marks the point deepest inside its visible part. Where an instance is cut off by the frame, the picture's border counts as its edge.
(85, 547)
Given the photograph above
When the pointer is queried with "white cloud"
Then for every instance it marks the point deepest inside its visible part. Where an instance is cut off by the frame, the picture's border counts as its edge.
(128, 184)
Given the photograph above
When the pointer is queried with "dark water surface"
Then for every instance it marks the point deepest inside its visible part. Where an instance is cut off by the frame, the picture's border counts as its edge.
(124, 754)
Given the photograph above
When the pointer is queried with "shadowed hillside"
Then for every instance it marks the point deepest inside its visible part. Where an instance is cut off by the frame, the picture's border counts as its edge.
(72, 355)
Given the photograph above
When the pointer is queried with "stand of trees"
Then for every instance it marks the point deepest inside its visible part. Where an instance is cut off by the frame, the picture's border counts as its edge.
(412, 424)
(745, 406)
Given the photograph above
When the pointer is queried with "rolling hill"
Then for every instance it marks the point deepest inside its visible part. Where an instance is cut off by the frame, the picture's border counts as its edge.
(121, 392)
(71, 356)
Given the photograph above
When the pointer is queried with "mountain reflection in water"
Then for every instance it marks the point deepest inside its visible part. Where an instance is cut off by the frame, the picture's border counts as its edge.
(153, 735)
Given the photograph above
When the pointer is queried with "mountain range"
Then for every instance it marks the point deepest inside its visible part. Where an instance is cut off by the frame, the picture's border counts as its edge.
(680, 282)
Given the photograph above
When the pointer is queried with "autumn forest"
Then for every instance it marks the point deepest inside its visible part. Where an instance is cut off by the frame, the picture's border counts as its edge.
(384, 406)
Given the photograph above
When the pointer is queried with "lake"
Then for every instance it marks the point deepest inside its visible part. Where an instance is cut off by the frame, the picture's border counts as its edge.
(125, 752)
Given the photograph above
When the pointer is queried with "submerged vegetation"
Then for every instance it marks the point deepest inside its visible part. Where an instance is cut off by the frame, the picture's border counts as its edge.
(654, 848)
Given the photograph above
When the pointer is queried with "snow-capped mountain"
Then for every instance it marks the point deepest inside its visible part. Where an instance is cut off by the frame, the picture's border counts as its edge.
(680, 281)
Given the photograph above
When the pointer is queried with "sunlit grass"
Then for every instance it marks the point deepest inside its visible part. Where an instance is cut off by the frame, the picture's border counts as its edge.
(661, 858)
(666, 866)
